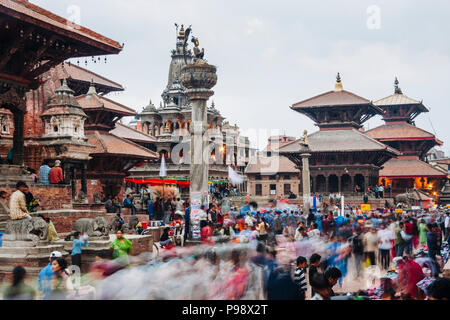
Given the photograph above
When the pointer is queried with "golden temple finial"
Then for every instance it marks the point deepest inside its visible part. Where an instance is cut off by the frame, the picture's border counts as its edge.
(181, 33)
(338, 86)
(397, 88)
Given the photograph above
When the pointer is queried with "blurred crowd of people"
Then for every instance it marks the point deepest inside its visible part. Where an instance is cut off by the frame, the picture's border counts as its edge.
(277, 252)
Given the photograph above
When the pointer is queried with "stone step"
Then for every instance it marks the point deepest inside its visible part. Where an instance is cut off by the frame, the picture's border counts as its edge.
(93, 245)
(30, 250)
(33, 271)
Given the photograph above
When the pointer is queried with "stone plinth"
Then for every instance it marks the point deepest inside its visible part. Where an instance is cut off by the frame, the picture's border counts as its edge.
(100, 248)
(11, 174)
(64, 219)
(28, 255)
(89, 206)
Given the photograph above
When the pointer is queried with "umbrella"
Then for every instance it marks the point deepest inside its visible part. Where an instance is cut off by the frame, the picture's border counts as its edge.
(234, 177)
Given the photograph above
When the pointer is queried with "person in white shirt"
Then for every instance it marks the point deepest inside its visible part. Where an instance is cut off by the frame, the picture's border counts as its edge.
(179, 204)
(385, 237)
(370, 240)
(447, 226)
(300, 233)
(314, 233)
(202, 214)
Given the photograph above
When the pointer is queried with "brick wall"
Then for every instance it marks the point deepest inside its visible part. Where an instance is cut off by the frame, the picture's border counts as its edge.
(50, 197)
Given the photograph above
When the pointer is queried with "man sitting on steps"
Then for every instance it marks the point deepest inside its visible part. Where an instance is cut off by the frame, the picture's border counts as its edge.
(17, 203)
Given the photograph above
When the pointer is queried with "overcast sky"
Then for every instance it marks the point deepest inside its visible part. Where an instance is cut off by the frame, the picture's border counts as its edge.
(271, 54)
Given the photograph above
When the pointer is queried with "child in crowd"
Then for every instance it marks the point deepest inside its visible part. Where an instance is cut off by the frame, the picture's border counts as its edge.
(300, 276)
(78, 243)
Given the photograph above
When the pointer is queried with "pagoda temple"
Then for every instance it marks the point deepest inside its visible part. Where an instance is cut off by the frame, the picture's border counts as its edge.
(343, 159)
(409, 170)
(113, 155)
(33, 41)
(169, 124)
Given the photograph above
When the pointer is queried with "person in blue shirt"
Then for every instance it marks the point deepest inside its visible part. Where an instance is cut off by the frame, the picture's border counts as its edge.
(78, 243)
(127, 203)
(46, 275)
(150, 210)
(243, 210)
(44, 171)
(291, 221)
(187, 219)
(284, 218)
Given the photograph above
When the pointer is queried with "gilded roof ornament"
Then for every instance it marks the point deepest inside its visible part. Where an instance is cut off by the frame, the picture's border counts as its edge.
(338, 86)
(397, 88)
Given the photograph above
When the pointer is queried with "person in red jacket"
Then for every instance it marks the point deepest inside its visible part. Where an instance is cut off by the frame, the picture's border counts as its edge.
(409, 228)
(220, 215)
(206, 233)
(56, 175)
(410, 273)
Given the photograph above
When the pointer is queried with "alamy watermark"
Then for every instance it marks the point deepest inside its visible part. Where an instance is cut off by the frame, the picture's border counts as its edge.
(374, 17)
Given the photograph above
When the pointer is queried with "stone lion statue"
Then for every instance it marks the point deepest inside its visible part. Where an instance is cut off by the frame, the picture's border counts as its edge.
(82, 198)
(131, 226)
(34, 229)
(115, 224)
(93, 227)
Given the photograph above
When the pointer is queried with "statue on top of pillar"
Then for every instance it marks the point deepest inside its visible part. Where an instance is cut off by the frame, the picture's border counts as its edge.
(198, 54)
(304, 139)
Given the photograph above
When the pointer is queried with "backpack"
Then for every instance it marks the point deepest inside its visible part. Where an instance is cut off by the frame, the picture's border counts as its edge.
(357, 244)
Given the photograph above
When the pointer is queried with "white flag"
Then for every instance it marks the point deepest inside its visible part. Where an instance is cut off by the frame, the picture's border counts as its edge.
(163, 169)
(234, 177)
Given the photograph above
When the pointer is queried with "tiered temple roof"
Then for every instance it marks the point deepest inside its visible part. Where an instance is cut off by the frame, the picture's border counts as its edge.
(31, 13)
(110, 144)
(79, 79)
(340, 141)
(410, 167)
(34, 40)
(342, 157)
(103, 115)
(134, 135)
(400, 132)
(338, 108)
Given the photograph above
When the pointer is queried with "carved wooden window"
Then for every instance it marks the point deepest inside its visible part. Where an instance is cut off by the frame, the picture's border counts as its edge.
(287, 188)
(273, 189)
(5, 125)
(258, 189)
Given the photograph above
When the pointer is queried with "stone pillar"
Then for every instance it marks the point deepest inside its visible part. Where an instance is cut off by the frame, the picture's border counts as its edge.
(306, 181)
(84, 179)
(66, 167)
(74, 183)
(366, 183)
(18, 138)
(327, 184)
(198, 79)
